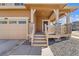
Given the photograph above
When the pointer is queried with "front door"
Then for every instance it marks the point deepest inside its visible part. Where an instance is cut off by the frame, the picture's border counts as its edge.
(43, 24)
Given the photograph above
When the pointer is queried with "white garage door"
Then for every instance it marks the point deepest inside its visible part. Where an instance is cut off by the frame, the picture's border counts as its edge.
(14, 28)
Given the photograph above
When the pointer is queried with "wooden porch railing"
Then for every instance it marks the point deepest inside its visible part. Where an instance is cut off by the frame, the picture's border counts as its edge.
(46, 33)
(33, 32)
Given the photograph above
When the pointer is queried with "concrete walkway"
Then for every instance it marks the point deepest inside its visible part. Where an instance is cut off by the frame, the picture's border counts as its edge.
(75, 37)
(75, 34)
(47, 52)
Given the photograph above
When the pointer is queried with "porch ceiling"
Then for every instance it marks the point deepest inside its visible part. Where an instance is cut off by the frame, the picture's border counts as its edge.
(61, 14)
(44, 14)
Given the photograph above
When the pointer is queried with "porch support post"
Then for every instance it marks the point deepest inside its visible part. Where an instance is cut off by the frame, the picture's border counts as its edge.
(32, 24)
(67, 18)
(32, 15)
(68, 24)
(56, 11)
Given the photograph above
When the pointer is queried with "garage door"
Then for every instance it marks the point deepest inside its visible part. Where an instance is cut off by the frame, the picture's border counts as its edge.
(14, 28)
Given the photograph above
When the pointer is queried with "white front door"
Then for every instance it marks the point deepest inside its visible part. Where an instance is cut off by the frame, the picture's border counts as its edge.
(43, 24)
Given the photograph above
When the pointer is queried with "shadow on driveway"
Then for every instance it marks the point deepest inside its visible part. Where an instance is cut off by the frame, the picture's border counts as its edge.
(27, 49)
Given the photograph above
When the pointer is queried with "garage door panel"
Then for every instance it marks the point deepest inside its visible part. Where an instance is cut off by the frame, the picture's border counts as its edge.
(14, 31)
(4, 31)
(17, 31)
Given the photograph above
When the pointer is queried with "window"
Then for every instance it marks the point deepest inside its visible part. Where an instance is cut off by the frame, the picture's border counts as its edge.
(18, 4)
(3, 4)
(11, 4)
(3, 22)
(12, 22)
(21, 4)
(22, 22)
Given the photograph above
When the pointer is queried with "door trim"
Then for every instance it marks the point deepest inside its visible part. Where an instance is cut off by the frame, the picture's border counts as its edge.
(43, 23)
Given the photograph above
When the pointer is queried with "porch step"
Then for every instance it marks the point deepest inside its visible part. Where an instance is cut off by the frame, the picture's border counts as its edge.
(39, 34)
(40, 45)
(39, 37)
(39, 40)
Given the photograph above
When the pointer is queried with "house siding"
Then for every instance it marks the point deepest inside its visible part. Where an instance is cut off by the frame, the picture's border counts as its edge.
(14, 13)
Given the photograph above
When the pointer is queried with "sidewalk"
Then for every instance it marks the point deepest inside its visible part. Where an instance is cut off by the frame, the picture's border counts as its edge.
(75, 34)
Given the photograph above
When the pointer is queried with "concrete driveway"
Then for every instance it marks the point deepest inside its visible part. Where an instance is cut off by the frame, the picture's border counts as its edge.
(26, 50)
(6, 45)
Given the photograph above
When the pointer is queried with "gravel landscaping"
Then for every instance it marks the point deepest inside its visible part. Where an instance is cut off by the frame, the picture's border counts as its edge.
(65, 48)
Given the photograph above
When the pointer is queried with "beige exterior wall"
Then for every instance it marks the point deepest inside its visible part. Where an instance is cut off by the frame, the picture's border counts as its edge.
(14, 13)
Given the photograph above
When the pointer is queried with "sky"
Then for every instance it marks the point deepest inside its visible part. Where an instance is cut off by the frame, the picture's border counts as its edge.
(74, 16)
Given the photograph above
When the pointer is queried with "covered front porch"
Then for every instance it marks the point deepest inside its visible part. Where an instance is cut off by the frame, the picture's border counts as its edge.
(44, 23)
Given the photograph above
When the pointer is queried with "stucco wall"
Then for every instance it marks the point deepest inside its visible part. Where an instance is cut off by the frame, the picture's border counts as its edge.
(14, 13)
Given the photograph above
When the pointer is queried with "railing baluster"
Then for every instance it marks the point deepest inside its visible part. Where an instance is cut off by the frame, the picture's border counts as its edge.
(33, 31)
(46, 32)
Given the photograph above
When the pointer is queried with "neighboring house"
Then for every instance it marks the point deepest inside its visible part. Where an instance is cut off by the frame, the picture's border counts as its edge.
(75, 26)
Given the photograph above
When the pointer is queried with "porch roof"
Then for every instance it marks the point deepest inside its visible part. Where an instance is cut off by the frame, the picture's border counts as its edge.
(45, 11)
